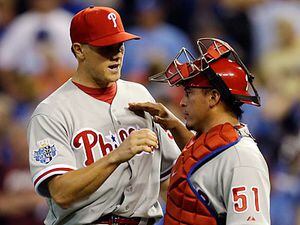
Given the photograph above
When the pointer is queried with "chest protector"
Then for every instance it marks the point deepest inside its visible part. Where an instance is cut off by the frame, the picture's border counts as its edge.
(186, 206)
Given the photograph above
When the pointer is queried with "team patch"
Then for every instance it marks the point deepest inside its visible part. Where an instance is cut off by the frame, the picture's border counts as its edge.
(46, 152)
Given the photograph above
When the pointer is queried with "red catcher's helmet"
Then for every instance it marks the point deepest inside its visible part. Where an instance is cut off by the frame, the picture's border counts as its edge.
(218, 66)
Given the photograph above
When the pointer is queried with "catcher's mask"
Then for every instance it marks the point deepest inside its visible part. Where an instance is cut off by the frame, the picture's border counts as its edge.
(218, 66)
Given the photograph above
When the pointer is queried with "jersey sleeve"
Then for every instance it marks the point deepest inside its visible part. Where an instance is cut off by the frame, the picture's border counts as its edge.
(169, 151)
(247, 197)
(49, 151)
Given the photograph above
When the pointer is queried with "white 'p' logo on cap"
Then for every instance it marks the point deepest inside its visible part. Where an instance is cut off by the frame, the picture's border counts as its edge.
(112, 17)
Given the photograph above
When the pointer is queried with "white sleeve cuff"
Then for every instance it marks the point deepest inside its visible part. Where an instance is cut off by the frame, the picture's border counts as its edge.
(44, 174)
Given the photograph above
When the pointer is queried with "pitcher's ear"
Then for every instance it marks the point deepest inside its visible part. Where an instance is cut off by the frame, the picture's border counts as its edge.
(77, 50)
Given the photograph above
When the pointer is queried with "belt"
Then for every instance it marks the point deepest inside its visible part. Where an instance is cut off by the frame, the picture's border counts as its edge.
(111, 219)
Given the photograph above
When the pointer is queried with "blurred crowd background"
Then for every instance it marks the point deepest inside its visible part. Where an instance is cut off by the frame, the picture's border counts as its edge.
(35, 59)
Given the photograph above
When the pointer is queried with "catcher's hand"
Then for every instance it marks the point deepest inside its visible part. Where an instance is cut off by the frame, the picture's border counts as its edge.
(160, 113)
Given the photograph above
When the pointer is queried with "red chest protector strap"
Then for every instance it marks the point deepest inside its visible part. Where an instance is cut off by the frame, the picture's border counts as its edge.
(185, 205)
(201, 196)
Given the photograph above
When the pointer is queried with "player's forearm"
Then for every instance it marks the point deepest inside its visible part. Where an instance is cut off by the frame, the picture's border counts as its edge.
(76, 185)
(181, 134)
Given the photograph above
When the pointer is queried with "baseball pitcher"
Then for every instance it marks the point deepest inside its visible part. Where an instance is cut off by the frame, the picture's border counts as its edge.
(94, 160)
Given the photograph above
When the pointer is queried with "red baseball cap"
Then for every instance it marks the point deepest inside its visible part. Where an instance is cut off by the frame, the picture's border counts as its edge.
(99, 26)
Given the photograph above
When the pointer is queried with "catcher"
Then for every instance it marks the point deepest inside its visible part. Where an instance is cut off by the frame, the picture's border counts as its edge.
(221, 176)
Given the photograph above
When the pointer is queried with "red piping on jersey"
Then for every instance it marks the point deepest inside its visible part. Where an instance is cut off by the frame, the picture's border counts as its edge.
(50, 171)
(239, 126)
(103, 94)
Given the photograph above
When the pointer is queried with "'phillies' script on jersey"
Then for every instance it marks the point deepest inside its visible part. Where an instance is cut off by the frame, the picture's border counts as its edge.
(90, 139)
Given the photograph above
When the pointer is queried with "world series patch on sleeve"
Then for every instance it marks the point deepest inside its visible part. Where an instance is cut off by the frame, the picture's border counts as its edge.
(46, 152)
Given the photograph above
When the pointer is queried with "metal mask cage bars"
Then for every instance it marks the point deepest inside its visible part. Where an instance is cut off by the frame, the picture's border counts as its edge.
(177, 71)
(222, 49)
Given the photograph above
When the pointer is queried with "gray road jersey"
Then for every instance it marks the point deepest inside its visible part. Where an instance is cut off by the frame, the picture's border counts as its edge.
(236, 182)
(70, 130)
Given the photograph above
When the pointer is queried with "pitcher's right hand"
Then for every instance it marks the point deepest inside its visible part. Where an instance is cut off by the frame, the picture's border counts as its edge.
(138, 141)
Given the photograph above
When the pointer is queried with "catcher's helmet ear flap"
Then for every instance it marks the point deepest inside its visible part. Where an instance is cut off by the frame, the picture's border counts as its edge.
(235, 79)
(226, 71)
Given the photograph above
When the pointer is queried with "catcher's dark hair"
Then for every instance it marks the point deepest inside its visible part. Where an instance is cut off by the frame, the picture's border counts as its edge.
(235, 107)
